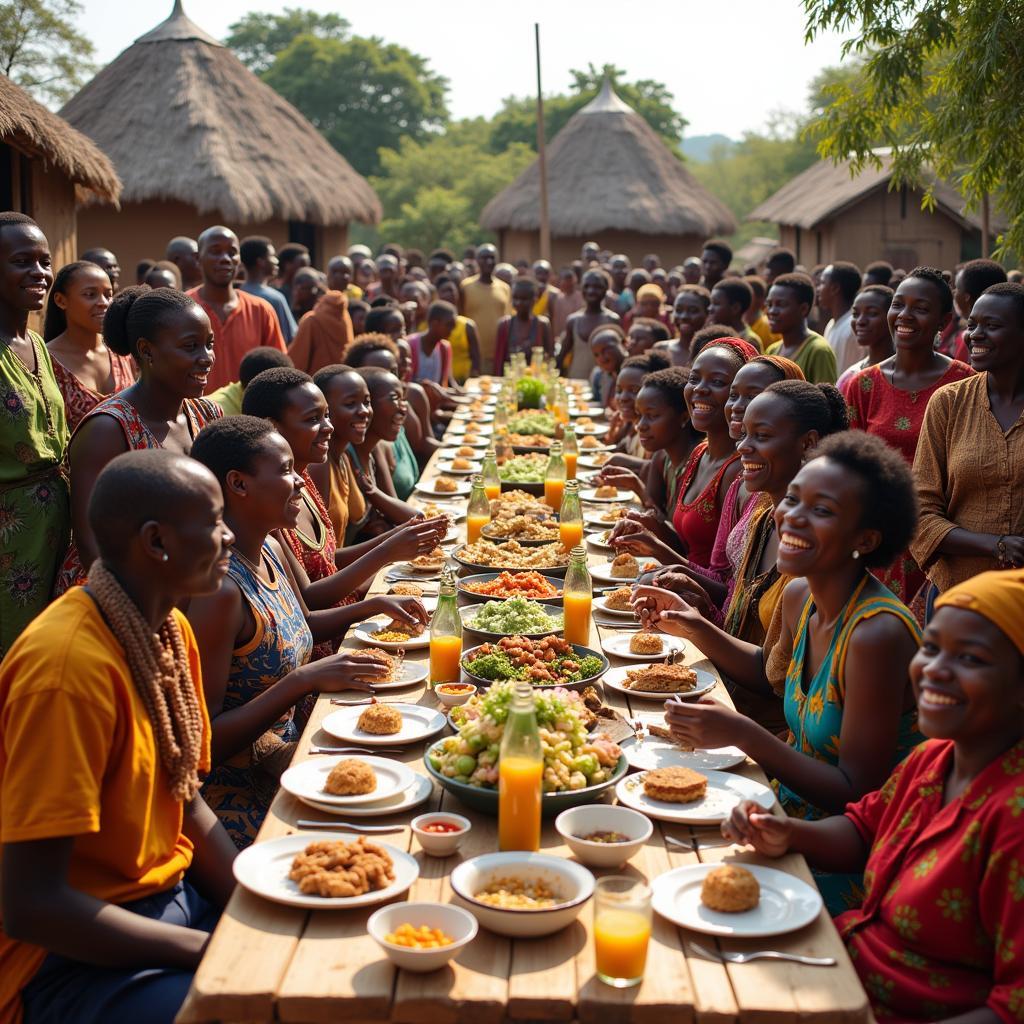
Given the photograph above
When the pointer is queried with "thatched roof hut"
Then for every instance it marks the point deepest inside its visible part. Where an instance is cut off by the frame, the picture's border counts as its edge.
(45, 166)
(611, 179)
(828, 213)
(198, 139)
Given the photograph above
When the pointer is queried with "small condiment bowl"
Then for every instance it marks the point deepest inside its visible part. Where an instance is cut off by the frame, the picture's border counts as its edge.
(582, 821)
(453, 700)
(455, 922)
(440, 844)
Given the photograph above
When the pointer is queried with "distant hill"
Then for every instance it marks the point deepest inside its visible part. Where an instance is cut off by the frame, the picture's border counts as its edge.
(698, 147)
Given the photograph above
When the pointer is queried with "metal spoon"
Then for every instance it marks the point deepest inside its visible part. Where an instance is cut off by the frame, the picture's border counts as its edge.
(353, 750)
(764, 954)
(350, 826)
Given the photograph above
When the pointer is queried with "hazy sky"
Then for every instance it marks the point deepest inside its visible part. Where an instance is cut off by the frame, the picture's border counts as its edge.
(729, 63)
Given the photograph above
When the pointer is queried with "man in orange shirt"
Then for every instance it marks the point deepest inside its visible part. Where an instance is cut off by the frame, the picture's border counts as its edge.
(240, 321)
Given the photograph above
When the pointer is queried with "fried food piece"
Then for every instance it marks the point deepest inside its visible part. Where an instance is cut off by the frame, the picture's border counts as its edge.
(394, 626)
(462, 463)
(675, 785)
(383, 656)
(589, 441)
(351, 777)
(407, 589)
(662, 732)
(661, 679)
(432, 560)
(618, 600)
(625, 566)
(332, 868)
(381, 720)
(646, 643)
(471, 438)
(445, 485)
(607, 491)
(730, 888)
(465, 452)
(600, 458)
(591, 698)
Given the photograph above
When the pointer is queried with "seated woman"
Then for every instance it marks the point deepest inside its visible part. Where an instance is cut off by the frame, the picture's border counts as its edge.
(629, 452)
(86, 369)
(940, 844)
(523, 331)
(255, 633)
(114, 869)
(848, 510)
(170, 337)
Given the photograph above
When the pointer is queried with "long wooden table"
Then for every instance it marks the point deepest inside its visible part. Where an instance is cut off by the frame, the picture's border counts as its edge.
(268, 962)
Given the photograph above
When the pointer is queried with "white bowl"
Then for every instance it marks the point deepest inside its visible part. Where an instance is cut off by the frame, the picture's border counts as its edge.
(573, 883)
(453, 700)
(453, 921)
(581, 821)
(440, 844)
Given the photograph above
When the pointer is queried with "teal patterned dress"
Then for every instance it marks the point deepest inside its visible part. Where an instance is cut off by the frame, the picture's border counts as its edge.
(240, 789)
(815, 713)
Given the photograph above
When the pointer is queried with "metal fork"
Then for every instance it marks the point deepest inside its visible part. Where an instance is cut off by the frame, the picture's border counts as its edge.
(353, 750)
(694, 843)
(764, 954)
(350, 826)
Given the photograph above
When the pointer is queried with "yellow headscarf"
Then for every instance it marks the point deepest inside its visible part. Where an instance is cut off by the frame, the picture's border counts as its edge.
(998, 596)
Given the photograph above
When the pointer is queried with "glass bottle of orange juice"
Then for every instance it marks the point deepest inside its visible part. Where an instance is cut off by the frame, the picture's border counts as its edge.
(489, 472)
(445, 634)
(520, 775)
(578, 597)
(478, 515)
(570, 517)
(570, 452)
(554, 477)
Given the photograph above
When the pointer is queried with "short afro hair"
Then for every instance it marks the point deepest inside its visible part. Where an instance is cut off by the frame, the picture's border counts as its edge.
(231, 443)
(883, 291)
(890, 500)
(648, 362)
(658, 331)
(819, 407)
(935, 278)
(1009, 290)
(365, 345)
(736, 291)
(670, 383)
(706, 335)
(253, 249)
(613, 329)
(878, 272)
(801, 286)
(782, 261)
(846, 276)
(267, 393)
(379, 316)
(698, 291)
(258, 359)
(720, 248)
(977, 275)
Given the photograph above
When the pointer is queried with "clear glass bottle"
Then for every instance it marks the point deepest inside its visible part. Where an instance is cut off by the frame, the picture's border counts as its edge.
(478, 514)
(501, 416)
(520, 775)
(578, 598)
(570, 452)
(554, 477)
(489, 472)
(570, 517)
(446, 634)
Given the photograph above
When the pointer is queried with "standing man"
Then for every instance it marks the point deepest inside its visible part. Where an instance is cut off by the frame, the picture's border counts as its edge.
(183, 252)
(837, 289)
(260, 261)
(240, 321)
(339, 278)
(107, 261)
(714, 261)
(291, 259)
(692, 270)
(485, 300)
(780, 261)
(547, 293)
(620, 298)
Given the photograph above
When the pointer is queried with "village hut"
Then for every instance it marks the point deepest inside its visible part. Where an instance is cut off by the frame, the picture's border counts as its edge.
(829, 213)
(198, 139)
(46, 166)
(611, 179)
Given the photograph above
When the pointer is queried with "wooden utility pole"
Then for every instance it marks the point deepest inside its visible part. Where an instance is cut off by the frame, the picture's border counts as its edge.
(985, 226)
(542, 165)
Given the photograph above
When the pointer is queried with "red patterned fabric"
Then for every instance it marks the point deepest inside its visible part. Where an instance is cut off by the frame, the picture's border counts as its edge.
(697, 521)
(79, 400)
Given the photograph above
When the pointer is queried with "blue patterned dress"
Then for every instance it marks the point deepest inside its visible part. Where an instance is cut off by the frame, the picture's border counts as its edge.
(240, 789)
(814, 713)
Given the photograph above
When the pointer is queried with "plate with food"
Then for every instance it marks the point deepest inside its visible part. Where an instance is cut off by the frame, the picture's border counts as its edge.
(345, 781)
(659, 681)
(606, 492)
(421, 790)
(317, 872)
(595, 461)
(660, 751)
(586, 427)
(391, 635)
(502, 586)
(461, 465)
(552, 558)
(515, 616)
(444, 487)
(616, 603)
(454, 510)
(588, 443)
(741, 900)
(383, 724)
(401, 673)
(642, 645)
(606, 516)
(457, 447)
(551, 661)
(599, 541)
(531, 421)
(527, 529)
(688, 796)
(623, 567)
(430, 563)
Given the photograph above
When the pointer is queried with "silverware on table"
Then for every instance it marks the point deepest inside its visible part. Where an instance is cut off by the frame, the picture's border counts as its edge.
(353, 750)
(764, 954)
(639, 732)
(350, 826)
(694, 843)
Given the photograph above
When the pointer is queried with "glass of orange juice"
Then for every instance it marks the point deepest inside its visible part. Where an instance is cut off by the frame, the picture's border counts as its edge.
(622, 930)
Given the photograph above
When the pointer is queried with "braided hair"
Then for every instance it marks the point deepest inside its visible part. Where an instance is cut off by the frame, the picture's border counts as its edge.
(139, 312)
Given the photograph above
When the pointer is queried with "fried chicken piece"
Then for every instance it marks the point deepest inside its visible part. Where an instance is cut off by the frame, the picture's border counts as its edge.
(333, 868)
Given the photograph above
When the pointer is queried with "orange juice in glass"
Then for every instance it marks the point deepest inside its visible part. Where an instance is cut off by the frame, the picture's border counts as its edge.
(622, 930)
(520, 772)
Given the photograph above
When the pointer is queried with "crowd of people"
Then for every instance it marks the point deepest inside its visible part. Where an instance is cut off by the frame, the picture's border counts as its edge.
(202, 473)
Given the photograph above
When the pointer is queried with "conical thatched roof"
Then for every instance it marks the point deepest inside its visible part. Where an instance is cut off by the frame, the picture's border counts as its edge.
(183, 119)
(32, 128)
(609, 170)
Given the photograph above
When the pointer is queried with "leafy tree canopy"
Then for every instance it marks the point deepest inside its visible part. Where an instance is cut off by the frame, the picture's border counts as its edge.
(41, 50)
(937, 86)
(258, 38)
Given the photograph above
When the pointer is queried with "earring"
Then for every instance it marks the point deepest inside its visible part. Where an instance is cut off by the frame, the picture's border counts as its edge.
(856, 554)
(165, 557)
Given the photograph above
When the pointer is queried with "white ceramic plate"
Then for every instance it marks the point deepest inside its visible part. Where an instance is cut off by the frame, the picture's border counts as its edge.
(616, 677)
(659, 753)
(446, 467)
(595, 412)
(411, 671)
(364, 629)
(590, 494)
(593, 517)
(418, 723)
(595, 429)
(307, 779)
(589, 462)
(724, 792)
(603, 571)
(787, 903)
(454, 510)
(457, 442)
(627, 616)
(618, 646)
(462, 427)
(595, 543)
(420, 790)
(590, 449)
(462, 487)
(263, 869)
(426, 573)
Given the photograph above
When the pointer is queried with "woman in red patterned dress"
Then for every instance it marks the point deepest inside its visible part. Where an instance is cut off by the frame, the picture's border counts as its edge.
(87, 370)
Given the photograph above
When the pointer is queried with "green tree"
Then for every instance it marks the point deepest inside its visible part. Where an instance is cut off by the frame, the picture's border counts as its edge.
(258, 38)
(41, 50)
(938, 87)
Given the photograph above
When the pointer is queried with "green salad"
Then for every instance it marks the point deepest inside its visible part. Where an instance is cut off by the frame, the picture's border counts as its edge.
(524, 469)
(530, 392)
(532, 423)
(546, 662)
(516, 615)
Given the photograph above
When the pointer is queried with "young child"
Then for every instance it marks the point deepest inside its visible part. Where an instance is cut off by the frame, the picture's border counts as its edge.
(608, 347)
(431, 352)
(524, 330)
(644, 333)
